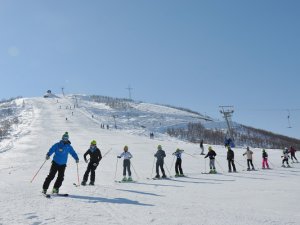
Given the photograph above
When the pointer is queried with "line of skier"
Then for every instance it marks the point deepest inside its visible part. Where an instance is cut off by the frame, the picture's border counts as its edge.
(63, 148)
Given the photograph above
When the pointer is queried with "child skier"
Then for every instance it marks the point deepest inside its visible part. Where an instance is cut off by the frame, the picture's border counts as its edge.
(95, 157)
(249, 154)
(285, 157)
(59, 162)
(265, 159)
(160, 155)
(126, 163)
(211, 154)
(293, 152)
(230, 158)
(178, 169)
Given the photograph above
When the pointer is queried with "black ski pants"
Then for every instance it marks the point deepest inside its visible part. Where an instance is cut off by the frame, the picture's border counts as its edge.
(126, 166)
(90, 169)
(231, 163)
(160, 164)
(60, 177)
(293, 156)
(249, 161)
(178, 166)
(285, 160)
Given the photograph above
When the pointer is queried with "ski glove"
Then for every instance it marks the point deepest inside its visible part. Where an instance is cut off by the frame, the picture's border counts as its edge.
(119, 157)
(86, 161)
(47, 157)
(77, 161)
(95, 164)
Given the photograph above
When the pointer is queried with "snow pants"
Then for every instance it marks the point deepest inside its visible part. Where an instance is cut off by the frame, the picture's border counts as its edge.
(265, 163)
(178, 166)
(126, 166)
(231, 162)
(160, 164)
(285, 160)
(293, 156)
(60, 177)
(249, 161)
(90, 169)
(212, 164)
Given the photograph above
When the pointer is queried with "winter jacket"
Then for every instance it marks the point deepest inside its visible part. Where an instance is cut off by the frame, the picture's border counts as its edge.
(292, 150)
(249, 154)
(61, 151)
(285, 154)
(95, 155)
(211, 154)
(230, 154)
(178, 154)
(265, 155)
(160, 155)
(126, 155)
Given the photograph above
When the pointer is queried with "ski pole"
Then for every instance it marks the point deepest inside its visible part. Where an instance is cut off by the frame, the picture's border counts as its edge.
(190, 155)
(220, 166)
(38, 171)
(107, 153)
(239, 163)
(168, 170)
(135, 171)
(172, 162)
(205, 165)
(78, 174)
(152, 167)
(116, 169)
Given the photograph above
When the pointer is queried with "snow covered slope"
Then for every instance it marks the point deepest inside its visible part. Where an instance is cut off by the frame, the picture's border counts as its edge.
(258, 197)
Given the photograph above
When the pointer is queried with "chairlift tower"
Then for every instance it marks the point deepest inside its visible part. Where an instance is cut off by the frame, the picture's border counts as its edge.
(62, 90)
(129, 91)
(227, 112)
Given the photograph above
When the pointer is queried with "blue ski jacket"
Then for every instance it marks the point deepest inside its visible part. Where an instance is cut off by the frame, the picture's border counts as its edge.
(61, 151)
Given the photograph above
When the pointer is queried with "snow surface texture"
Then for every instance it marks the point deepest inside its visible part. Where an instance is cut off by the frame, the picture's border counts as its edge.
(254, 197)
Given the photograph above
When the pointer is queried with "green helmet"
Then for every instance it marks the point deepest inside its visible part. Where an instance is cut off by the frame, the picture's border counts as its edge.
(125, 147)
(93, 142)
(159, 147)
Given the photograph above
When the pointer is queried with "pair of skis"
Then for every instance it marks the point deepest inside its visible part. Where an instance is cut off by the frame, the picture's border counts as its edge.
(58, 194)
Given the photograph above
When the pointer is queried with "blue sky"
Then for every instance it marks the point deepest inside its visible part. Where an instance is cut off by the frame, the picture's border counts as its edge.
(195, 54)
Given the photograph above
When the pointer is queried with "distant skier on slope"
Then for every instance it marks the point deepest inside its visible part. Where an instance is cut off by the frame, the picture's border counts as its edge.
(160, 155)
(59, 163)
(126, 163)
(178, 168)
(202, 147)
(95, 157)
(230, 158)
(293, 154)
(211, 154)
(249, 154)
(285, 157)
(265, 163)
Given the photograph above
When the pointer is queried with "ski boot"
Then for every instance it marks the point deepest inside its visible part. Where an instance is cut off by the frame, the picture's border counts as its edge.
(92, 183)
(164, 176)
(248, 169)
(283, 165)
(214, 171)
(229, 171)
(157, 176)
(181, 175)
(124, 179)
(211, 171)
(44, 191)
(129, 178)
(288, 166)
(83, 183)
(55, 191)
(177, 175)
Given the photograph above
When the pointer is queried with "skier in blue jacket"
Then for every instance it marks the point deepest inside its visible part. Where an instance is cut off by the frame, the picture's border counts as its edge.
(59, 162)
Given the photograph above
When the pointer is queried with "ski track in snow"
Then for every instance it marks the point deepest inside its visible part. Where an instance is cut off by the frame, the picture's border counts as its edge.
(268, 197)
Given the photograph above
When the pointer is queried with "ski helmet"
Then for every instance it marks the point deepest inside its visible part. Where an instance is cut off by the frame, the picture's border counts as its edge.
(125, 147)
(159, 147)
(93, 142)
(65, 136)
(210, 148)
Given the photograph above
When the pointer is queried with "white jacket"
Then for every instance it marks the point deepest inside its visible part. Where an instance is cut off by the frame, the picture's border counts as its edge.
(249, 154)
(126, 155)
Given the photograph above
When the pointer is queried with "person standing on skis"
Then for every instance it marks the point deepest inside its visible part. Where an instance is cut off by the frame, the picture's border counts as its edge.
(249, 154)
(211, 154)
(59, 162)
(126, 163)
(202, 147)
(95, 157)
(285, 157)
(178, 169)
(160, 155)
(230, 158)
(265, 160)
(293, 154)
